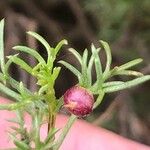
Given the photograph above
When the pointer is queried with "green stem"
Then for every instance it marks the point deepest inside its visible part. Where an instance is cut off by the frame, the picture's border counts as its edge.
(65, 131)
(49, 119)
(37, 130)
(52, 119)
(51, 123)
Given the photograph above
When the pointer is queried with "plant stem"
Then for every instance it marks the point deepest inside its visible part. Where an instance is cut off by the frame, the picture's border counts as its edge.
(65, 131)
(37, 130)
(51, 122)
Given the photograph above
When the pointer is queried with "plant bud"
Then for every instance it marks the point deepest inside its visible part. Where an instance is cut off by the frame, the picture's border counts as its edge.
(78, 101)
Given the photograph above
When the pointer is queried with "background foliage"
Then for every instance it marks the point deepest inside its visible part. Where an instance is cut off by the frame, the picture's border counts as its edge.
(123, 23)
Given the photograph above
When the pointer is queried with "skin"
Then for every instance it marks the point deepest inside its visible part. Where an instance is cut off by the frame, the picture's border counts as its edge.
(81, 136)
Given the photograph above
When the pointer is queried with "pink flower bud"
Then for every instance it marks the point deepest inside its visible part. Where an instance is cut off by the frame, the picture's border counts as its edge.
(78, 101)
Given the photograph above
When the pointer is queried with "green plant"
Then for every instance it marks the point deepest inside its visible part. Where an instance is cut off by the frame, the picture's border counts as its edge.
(43, 103)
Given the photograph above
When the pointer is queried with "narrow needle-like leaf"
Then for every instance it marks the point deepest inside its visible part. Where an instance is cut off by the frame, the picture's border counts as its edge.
(89, 70)
(112, 83)
(8, 63)
(98, 67)
(90, 65)
(129, 64)
(55, 74)
(2, 61)
(84, 68)
(21, 63)
(42, 41)
(71, 68)
(59, 45)
(15, 106)
(9, 92)
(50, 135)
(20, 144)
(14, 83)
(129, 73)
(39, 38)
(76, 54)
(109, 57)
(99, 99)
(127, 84)
(30, 51)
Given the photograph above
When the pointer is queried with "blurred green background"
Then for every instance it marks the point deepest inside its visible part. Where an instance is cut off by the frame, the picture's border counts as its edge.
(124, 24)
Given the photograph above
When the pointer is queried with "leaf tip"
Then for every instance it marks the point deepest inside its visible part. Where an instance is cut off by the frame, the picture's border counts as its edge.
(65, 42)
(29, 32)
(14, 47)
(2, 21)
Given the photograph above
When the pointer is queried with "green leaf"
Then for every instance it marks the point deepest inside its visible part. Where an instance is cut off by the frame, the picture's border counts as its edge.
(76, 54)
(127, 84)
(15, 84)
(109, 58)
(97, 62)
(112, 83)
(21, 63)
(30, 51)
(90, 65)
(22, 91)
(36, 69)
(99, 99)
(59, 45)
(4, 107)
(14, 120)
(55, 74)
(36, 120)
(43, 89)
(98, 68)
(20, 117)
(50, 135)
(15, 105)
(21, 145)
(84, 68)
(9, 92)
(50, 63)
(128, 73)
(42, 41)
(8, 63)
(2, 77)
(89, 69)
(49, 146)
(129, 64)
(72, 69)
(2, 61)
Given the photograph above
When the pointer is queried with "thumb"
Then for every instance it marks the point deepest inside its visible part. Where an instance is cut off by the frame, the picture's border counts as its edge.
(81, 136)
